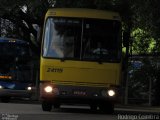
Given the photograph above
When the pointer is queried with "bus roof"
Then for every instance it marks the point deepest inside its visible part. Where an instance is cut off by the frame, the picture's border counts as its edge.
(83, 13)
(12, 40)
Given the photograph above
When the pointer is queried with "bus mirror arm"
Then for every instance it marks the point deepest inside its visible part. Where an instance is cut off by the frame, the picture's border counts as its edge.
(62, 59)
(100, 62)
(126, 36)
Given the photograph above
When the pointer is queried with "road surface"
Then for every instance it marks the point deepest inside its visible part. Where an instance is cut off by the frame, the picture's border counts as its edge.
(27, 111)
(16, 111)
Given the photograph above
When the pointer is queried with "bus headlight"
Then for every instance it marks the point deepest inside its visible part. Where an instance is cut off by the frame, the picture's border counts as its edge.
(111, 93)
(48, 89)
(29, 88)
(1, 87)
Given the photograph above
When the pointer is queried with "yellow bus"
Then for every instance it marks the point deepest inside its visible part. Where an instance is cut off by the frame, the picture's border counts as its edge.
(80, 58)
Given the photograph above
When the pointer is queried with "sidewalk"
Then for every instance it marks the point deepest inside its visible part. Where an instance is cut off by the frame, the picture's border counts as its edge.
(138, 108)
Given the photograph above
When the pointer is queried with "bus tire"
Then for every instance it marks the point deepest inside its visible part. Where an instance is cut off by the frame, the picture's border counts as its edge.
(93, 107)
(5, 99)
(56, 105)
(46, 106)
(107, 108)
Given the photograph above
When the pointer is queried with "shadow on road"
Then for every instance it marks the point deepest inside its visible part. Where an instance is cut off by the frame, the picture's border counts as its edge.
(78, 109)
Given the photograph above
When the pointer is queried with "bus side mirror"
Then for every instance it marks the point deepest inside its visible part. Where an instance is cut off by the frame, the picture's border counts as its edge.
(38, 36)
(126, 36)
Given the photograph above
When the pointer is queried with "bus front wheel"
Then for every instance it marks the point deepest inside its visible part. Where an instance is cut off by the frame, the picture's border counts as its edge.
(57, 105)
(107, 108)
(5, 99)
(46, 106)
(93, 107)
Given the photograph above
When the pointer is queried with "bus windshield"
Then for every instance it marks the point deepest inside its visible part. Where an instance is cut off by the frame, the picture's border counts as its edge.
(13, 49)
(14, 58)
(82, 39)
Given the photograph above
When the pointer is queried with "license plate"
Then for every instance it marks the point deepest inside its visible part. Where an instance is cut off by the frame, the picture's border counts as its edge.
(79, 93)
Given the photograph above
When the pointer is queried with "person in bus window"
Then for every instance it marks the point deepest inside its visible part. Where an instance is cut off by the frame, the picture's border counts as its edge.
(100, 50)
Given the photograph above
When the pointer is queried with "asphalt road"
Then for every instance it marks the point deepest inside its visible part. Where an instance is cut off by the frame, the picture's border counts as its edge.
(27, 111)
(21, 111)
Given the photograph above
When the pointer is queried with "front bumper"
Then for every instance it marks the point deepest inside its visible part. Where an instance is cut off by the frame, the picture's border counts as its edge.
(77, 94)
(15, 93)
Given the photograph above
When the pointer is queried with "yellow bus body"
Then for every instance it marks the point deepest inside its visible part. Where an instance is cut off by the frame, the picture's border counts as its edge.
(82, 13)
(76, 73)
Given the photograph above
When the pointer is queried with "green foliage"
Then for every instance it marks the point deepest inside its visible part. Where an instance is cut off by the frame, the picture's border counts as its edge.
(146, 17)
(140, 36)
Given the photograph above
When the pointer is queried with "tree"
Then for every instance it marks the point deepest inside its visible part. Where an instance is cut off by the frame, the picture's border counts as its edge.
(24, 14)
(146, 17)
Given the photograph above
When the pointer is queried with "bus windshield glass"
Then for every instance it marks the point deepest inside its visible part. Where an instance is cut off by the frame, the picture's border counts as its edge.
(13, 49)
(82, 39)
(14, 60)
